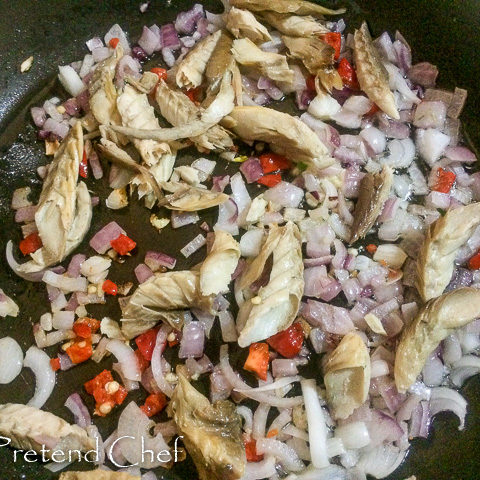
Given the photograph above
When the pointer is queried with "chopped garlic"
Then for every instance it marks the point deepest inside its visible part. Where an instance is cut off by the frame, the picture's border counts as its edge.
(375, 324)
(391, 254)
(26, 64)
(159, 223)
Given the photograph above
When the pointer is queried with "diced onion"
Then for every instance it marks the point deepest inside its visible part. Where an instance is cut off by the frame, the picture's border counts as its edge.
(39, 362)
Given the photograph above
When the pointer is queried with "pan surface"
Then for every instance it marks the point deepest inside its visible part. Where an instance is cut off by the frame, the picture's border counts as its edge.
(54, 31)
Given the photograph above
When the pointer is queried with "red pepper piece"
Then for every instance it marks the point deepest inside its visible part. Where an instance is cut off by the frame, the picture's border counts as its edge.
(257, 360)
(445, 181)
(289, 342)
(146, 343)
(334, 39)
(83, 167)
(251, 451)
(114, 42)
(154, 404)
(30, 244)
(271, 162)
(109, 287)
(55, 364)
(160, 72)
(123, 244)
(270, 180)
(348, 74)
(474, 262)
(80, 351)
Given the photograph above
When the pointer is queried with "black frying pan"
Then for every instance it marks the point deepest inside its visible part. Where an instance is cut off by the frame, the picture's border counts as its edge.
(54, 32)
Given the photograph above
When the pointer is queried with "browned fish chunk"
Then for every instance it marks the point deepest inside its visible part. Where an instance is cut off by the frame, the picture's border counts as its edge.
(299, 7)
(432, 324)
(211, 433)
(445, 236)
(313, 52)
(294, 25)
(374, 191)
(372, 75)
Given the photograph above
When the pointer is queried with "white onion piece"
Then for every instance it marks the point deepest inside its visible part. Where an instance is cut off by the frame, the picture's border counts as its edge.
(126, 357)
(251, 242)
(353, 435)
(375, 139)
(93, 432)
(227, 217)
(445, 399)
(240, 196)
(402, 153)
(430, 115)
(39, 362)
(247, 416)
(259, 470)
(431, 144)
(157, 370)
(323, 107)
(228, 327)
(70, 80)
(381, 461)
(66, 284)
(260, 421)
(317, 428)
(94, 266)
(284, 194)
(134, 423)
(398, 83)
(466, 367)
(11, 360)
(332, 472)
(63, 320)
(283, 382)
(282, 452)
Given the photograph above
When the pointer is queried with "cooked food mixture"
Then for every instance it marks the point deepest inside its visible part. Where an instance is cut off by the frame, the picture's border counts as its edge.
(335, 310)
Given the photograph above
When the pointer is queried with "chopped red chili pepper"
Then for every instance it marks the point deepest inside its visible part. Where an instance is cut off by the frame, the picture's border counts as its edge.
(474, 262)
(80, 351)
(271, 162)
(160, 72)
(85, 326)
(251, 451)
(114, 42)
(371, 248)
(109, 287)
(154, 404)
(348, 74)
(106, 391)
(55, 364)
(146, 343)
(445, 181)
(194, 94)
(30, 244)
(142, 363)
(83, 166)
(270, 180)
(123, 244)
(257, 360)
(288, 343)
(98, 382)
(334, 39)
